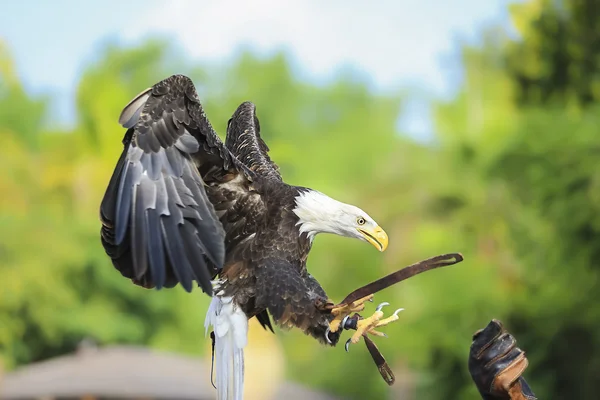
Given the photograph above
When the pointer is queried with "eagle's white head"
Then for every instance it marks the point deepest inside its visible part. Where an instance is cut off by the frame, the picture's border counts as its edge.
(319, 213)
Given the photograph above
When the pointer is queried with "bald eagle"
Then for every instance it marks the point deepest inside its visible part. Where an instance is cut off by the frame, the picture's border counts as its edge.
(182, 207)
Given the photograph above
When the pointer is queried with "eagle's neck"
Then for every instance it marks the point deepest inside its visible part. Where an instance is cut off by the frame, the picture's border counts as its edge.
(317, 213)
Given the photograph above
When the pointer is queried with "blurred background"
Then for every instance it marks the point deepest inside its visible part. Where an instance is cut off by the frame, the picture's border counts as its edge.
(466, 126)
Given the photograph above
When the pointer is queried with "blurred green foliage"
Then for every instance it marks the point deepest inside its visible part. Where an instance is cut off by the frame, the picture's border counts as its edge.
(510, 181)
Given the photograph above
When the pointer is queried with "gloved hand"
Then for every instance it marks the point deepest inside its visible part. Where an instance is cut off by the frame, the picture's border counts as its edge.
(496, 365)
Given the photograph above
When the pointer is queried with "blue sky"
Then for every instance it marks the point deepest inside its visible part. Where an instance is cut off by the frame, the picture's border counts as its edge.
(398, 44)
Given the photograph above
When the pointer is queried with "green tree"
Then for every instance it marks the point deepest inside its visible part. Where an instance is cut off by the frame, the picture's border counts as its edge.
(558, 59)
(525, 125)
(550, 165)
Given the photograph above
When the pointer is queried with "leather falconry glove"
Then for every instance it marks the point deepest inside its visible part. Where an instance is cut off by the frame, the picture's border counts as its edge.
(496, 365)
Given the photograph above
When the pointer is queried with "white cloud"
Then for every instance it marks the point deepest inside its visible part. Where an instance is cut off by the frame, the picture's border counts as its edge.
(393, 42)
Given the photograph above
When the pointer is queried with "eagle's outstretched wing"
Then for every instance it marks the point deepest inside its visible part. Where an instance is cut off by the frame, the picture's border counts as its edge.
(160, 226)
(244, 141)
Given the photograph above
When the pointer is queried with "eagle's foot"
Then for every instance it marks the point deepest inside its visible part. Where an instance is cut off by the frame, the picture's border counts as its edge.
(343, 311)
(367, 325)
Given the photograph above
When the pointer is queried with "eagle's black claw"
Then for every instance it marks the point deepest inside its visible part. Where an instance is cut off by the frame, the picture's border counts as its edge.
(327, 336)
(347, 345)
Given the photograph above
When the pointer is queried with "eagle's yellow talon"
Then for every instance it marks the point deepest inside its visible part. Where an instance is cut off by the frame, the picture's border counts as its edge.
(342, 312)
(390, 319)
(377, 333)
(368, 325)
(334, 325)
(365, 325)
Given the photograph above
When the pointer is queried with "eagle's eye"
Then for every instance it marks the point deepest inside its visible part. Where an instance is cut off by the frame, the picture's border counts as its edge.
(360, 221)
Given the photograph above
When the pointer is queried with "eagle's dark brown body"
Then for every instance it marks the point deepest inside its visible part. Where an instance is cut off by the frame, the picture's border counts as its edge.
(183, 207)
(265, 266)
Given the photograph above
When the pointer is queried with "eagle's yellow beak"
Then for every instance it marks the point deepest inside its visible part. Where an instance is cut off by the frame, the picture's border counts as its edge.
(376, 236)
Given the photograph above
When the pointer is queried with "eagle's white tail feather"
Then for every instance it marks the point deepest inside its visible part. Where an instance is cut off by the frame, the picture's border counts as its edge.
(230, 325)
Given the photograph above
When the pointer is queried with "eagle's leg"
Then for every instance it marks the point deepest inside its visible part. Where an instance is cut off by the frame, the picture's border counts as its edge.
(341, 312)
(368, 325)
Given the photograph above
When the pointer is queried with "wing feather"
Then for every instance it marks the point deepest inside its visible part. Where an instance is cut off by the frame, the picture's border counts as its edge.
(175, 251)
(159, 226)
(156, 247)
(179, 199)
(264, 320)
(130, 114)
(246, 144)
(138, 230)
